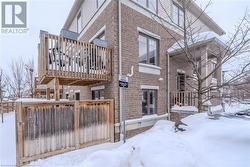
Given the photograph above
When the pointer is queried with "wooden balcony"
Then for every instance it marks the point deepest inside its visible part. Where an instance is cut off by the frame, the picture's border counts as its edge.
(72, 62)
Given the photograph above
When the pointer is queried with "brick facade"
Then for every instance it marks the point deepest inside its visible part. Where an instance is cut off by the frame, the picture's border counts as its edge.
(132, 21)
(130, 57)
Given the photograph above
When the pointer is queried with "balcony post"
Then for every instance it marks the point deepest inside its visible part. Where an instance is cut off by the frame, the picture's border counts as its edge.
(57, 89)
(48, 93)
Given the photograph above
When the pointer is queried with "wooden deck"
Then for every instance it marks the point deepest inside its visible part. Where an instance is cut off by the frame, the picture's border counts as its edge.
(72, 62)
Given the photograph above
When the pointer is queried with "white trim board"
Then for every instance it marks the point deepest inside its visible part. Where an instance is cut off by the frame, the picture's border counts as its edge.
(98, 87)
(153, 35)
(181, 71)
(99, 32)
(145, 121)
(149, 69)
(149, 87)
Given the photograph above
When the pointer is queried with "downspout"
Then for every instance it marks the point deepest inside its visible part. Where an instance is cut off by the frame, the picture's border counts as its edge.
(168, 93)
(120, 69)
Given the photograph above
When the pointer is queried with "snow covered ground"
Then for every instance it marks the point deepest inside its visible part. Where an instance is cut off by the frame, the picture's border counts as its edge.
(8, 140)
(205, 143)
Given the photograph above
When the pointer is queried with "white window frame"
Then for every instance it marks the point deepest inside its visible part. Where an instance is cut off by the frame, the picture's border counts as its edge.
(79, 22)
(179, 8)
(213, 66)
(99, 32)
(99, 3)
(147, 5)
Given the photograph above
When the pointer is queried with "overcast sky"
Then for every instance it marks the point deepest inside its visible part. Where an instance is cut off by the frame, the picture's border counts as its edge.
(50, 15)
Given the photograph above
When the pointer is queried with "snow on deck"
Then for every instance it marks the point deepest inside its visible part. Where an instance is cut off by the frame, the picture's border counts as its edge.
(210, 143)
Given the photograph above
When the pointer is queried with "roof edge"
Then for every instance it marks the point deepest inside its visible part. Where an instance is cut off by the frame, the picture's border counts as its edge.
(73, 11)
(196, 10)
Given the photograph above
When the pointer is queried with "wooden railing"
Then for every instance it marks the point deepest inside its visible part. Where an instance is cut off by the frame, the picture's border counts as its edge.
(49, 128)
(71, 60)
(183, 98)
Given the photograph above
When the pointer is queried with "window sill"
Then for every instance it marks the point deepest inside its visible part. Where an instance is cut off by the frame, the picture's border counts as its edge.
(214, 80)
(149, 69)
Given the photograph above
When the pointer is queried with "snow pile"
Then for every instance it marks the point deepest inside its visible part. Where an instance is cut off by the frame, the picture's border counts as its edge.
(236, 107)
(231, 108)
(184, 108)
(205, 143)
(210, 143)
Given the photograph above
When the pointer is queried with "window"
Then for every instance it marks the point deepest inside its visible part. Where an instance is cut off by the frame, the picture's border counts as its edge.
(99, 3)
(77, 96)
(148, 50)
(198, 65)
(101, 36)
(180, 82)
(79, 23)
(178, 15)
(150, 4)
(213, 67)
(97, 94)
(67, 96)
(149, 98)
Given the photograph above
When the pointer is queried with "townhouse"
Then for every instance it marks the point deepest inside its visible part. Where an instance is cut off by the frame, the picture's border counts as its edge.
(139, 33)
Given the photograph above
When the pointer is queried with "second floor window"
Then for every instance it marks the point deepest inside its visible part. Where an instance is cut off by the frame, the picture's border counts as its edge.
(99, 3)
(79, 23)
(150, 4)
(148, 50)
(178, 15)
(213, 67)
(198, 67)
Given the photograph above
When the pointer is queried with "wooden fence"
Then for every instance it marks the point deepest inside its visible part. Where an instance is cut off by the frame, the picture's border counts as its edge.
(47, 129)
(185, 98)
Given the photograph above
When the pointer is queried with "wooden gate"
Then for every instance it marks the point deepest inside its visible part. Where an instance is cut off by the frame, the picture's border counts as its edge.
(48, 128)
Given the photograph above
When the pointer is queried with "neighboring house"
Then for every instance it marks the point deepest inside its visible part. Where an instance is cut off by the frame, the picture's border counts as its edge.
(134, 32)
(41, 90)
(183, 85)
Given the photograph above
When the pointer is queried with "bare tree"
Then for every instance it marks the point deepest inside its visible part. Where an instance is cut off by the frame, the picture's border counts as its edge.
(237, 46)
(17, 79)
(29, 77)
(3, 85)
